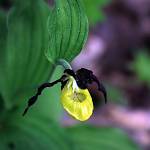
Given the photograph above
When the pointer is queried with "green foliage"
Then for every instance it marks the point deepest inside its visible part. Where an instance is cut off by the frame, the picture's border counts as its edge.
(49, 104)
(141, 66)
(94, 10)
(92, 138)
(3, 34)
(23, 66)
(68, 30)
(32, 134)
(115, 94)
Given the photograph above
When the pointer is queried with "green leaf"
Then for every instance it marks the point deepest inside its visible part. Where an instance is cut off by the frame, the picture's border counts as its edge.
(115, 95)
(94, 10)
(3, 35)
(25, 66)
(1, 106)
(21, 134)
(94, 138)
(140, 66)
(68, 30)
(48, 104)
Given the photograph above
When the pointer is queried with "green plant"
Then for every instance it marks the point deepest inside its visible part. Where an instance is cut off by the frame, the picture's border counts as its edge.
(140, 66)
(23, 67)
(94, 10)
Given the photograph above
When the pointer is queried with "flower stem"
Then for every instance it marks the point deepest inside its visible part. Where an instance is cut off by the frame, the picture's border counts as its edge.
(63, 63)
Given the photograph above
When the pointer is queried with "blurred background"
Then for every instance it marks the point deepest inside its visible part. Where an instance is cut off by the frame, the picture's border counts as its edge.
(117, 51)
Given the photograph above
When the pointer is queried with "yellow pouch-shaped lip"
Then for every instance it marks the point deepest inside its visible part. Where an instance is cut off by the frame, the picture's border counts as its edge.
(77, 102)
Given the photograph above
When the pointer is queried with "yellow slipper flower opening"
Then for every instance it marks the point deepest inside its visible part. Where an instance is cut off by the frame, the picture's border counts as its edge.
(77, 102)
(75, 96)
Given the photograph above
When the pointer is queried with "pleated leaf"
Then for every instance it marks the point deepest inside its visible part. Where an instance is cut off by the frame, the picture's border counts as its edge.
(48, 104)
(94, 138)
(24, 63)
(68, 30)
(3, 35)
(30, 134)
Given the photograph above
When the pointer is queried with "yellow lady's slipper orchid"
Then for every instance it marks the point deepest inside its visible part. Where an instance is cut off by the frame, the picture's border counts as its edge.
(75, 96)
(76, 101)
